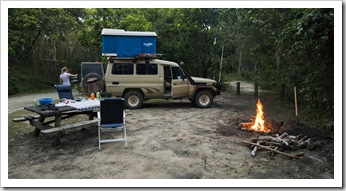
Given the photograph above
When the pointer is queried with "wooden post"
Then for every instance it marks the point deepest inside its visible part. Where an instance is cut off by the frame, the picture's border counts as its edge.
(238, 88)
(256, 89)
(57, 122)
(295, 99)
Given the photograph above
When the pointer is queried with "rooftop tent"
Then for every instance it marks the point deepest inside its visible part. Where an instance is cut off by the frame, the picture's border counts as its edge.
(122, 43)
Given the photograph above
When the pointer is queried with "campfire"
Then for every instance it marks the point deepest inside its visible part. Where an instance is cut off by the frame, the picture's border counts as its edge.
(274, 143)
(260, 124)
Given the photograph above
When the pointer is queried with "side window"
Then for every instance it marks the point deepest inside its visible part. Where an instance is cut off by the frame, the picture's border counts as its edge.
(177, 73)
(122, 69)
(146, 69)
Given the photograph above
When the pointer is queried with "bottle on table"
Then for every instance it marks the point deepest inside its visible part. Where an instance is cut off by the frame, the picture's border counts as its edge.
(92, 96)
(98, 95)
(35, 103)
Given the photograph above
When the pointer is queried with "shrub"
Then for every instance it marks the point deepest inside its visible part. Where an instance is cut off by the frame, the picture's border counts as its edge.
(12, 82)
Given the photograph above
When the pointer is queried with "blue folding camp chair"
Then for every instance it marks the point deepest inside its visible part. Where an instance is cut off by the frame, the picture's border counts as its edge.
(111, 118)
(64, 91)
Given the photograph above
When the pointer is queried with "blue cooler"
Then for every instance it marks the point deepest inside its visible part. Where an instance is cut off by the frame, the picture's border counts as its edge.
(124, 44)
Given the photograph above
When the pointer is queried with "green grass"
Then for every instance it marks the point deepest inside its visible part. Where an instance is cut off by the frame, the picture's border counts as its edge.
(24, 127)
(15, 128)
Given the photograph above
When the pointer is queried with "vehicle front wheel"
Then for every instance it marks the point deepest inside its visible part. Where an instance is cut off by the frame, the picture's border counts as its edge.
(133, 100)
(203, 99)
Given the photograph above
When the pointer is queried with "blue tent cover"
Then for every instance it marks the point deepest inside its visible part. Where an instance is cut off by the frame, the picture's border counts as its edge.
(122, 43)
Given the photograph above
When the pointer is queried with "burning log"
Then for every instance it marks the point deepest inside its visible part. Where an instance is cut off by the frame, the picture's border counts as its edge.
(246, 129)
(245, 124)
(260, 124)
(277, 143)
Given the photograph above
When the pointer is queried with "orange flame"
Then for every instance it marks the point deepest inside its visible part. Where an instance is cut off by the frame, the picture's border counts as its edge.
(259, 125)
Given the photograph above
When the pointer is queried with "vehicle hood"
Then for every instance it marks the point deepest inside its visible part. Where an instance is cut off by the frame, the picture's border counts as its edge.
(203, 80)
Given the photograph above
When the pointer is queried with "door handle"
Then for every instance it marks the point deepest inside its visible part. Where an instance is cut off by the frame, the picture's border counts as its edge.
(115, 83)
(174, 84)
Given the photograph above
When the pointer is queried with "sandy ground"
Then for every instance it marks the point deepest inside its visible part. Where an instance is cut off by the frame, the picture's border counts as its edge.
(171, 140)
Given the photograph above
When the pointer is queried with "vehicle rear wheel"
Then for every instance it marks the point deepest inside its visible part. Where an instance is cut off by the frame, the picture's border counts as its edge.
(133, 100)
(203, 99)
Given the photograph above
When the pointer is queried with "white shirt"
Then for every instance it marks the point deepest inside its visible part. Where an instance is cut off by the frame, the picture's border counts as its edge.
(65, 78)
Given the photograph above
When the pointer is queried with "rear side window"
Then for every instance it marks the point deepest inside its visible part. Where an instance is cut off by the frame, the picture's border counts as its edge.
(146, 69)
(122, 69)
(88, 68)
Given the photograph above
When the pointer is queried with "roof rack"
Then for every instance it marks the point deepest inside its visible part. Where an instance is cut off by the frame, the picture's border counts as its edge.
(148, 56)
(142, 56)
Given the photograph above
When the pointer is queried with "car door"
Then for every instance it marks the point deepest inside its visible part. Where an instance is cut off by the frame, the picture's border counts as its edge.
(180, 85)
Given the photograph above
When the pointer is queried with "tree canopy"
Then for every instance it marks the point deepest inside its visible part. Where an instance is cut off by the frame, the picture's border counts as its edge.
(269, 46)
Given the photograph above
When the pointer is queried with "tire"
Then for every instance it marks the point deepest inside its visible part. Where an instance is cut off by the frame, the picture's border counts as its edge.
(203, 99)
(100, 83)
(133, 100)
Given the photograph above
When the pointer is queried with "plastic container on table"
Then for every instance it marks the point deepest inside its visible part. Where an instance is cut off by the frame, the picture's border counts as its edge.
(46, 101)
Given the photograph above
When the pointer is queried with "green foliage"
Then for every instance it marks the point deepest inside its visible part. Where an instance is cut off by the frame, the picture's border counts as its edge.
(135, 23)
(247, 75)
(15, 128)
(269, 46)
(42, 41)
(188, 35)
(12, 82)
(229, 77)
(315, 62)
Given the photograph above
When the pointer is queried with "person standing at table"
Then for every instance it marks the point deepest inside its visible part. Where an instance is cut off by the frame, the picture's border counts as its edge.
(65, 76)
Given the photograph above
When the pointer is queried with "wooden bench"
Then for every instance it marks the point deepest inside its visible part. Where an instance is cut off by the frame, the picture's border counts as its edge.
(25, 118)
(82, 124)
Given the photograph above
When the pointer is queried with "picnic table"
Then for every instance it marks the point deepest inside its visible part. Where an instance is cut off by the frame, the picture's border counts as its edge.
(56, 113)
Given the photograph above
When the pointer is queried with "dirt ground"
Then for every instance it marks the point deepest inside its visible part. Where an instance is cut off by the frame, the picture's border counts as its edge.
(172, 140)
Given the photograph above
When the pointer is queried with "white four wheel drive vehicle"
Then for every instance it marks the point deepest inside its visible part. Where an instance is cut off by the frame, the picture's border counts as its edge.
(136, 73)
(146, 77)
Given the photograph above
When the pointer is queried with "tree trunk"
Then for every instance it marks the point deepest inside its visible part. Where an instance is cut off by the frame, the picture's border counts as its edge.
(54, 51)
(239, 66)
(277, 55)
(256, 65)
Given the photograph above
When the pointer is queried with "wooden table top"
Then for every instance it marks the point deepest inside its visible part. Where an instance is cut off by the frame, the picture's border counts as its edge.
(45, 111)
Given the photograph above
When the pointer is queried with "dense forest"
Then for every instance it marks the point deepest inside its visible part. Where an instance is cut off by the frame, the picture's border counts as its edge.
(268, 46)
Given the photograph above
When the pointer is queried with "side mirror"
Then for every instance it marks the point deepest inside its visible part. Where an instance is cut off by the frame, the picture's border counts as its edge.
(182, 77)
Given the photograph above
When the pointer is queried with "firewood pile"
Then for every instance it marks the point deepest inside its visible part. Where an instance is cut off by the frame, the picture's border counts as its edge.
(281, 143)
